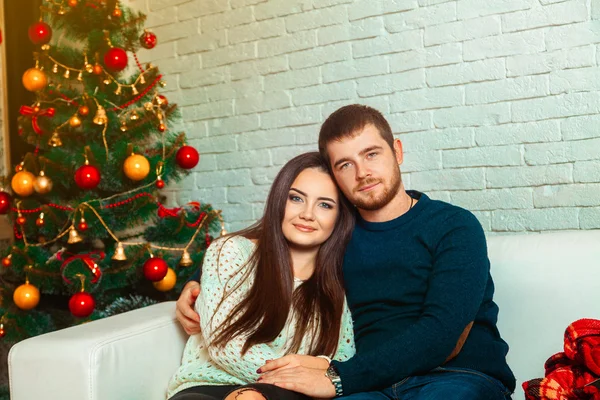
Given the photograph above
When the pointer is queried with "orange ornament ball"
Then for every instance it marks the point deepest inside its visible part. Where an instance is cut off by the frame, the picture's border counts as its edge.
(22, 183)
(26, 296)
(136, 167)
(84, 110)
(34, 80)
(167, 283)
(75, 122)
(97, 69)
(72, 3)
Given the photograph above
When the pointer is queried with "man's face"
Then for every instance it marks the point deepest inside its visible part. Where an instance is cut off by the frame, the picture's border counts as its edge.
(366, 169)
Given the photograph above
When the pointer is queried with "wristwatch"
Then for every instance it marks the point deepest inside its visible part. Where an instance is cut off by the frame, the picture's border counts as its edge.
(335, 379)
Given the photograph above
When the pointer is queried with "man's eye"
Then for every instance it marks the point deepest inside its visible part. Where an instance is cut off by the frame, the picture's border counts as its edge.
(344, 165)
(372, 154)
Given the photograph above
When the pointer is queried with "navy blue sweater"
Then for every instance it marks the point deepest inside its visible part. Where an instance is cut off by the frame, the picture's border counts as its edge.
(413, 284)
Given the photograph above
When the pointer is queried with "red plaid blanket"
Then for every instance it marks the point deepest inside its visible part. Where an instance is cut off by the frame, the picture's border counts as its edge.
(570, 374)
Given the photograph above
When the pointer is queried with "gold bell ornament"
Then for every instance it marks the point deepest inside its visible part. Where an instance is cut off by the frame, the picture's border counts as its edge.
(186, 260)
(74, 236)
(55, 140)
(100, 118)
(223, 230)
(119, 253)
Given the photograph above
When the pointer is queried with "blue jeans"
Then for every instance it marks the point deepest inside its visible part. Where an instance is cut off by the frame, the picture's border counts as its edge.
(441, 384)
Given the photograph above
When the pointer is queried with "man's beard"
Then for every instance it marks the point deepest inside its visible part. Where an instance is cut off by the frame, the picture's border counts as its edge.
(377, 203)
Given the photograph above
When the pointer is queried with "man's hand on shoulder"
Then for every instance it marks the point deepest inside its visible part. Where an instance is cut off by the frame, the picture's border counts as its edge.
(187, 317)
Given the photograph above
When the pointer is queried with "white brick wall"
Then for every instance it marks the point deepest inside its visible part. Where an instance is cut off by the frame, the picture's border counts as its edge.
(497, 102)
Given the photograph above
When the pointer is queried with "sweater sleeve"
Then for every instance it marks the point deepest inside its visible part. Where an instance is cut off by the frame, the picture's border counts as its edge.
(195, 276)
(456, 288)
(346, 348)
(224, 284)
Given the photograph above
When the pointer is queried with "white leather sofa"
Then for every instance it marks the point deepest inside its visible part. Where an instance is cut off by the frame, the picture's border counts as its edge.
(543, 283)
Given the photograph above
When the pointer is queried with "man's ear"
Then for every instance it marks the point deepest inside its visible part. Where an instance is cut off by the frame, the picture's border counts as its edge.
(398, 151)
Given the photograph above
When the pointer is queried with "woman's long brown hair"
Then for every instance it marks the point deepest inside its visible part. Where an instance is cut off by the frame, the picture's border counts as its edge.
(318, 302)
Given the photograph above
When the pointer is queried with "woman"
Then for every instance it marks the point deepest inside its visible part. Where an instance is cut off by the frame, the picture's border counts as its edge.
(272, 289)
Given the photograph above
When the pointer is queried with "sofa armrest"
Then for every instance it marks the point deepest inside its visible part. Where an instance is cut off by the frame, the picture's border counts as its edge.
(128, 356)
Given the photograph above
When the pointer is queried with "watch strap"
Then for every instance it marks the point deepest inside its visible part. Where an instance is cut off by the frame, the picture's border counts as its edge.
(335, 379)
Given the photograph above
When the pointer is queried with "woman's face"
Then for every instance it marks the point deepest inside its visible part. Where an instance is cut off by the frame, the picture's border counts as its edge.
(311, 209)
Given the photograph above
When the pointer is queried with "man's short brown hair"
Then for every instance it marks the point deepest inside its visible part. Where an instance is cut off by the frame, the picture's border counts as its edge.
(347, 121)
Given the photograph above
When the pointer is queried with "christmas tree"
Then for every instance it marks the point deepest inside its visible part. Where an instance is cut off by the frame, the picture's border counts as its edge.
(92, 235)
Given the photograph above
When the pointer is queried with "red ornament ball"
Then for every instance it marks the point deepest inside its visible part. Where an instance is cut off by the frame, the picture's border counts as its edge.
(21, 220)
(6, 262)
(40, 33)
(40, 222)
(82, 304)
(82, 226)
(187, 157)
(161, 101)
(115, 59)
(2, 332)
(148, 40)
(160, 184)
(5, 200)
(87, 177)
(155, 269)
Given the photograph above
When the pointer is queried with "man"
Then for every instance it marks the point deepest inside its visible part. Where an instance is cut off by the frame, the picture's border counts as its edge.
(417, 282)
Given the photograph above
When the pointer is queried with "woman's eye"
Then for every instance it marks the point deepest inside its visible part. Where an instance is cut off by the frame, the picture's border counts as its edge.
(326, 205)
(295, 198)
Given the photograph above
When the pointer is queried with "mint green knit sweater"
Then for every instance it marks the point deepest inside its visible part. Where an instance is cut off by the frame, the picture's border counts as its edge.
(223, 269)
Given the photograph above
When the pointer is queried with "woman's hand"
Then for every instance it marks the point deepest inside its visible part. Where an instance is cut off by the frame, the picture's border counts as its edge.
(302, 374)
(294, 360)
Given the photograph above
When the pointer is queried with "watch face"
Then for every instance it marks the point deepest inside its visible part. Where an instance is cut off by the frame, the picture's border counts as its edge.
(332, 373)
